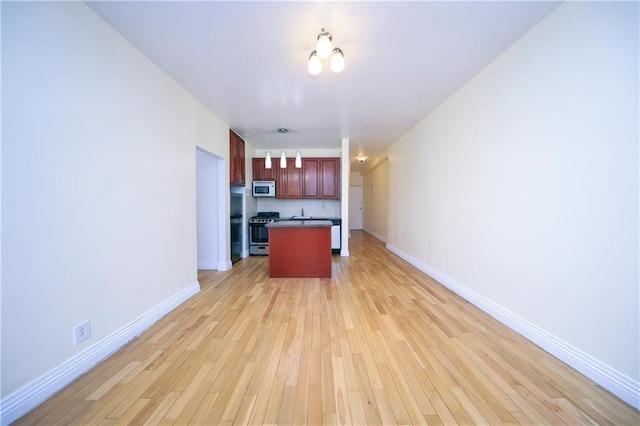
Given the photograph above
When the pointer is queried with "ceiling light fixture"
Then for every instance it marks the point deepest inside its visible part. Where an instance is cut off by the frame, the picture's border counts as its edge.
(362, 158)
(324, 49)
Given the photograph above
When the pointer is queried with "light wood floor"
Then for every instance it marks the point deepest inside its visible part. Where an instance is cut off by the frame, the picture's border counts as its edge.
(380, 343)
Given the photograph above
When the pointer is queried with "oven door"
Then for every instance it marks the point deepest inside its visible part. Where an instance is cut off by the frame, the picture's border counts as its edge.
(258, 239)
(258, 233)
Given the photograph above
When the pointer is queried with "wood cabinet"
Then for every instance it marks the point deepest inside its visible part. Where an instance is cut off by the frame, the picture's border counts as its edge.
(236, 159)
(311, 178)
(329, 178)
(260, 172)
(289, 181)
(319, 178)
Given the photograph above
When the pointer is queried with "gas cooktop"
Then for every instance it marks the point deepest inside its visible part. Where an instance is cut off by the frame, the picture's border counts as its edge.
(264, 217)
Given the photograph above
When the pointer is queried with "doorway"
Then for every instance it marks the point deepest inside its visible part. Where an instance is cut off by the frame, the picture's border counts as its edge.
(355, 207)
(210, 207)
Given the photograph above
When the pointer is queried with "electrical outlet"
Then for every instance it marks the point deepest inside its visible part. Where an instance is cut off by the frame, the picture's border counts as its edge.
(81, 332)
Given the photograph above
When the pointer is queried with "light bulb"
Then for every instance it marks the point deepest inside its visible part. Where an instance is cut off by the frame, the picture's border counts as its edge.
(298, 160)
(337, 60)
(283, 160)
(267, 160)
(323, 46)
(315, 65)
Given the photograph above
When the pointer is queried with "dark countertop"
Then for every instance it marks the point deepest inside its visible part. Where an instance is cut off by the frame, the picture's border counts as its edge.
(300, 223)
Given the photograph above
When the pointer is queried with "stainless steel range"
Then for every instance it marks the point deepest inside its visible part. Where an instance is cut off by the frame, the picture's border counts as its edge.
(259, 234)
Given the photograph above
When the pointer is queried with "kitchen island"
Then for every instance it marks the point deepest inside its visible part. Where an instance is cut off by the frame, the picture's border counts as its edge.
(300, 249)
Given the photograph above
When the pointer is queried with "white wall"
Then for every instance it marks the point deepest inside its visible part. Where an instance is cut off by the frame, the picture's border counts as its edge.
(98, 184)
(345, 172)
(522, 188)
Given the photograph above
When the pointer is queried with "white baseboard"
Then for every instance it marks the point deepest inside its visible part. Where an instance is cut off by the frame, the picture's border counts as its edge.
(35, 393)
(207, 264)
(224, 265)
(615, 382)
(376, 235)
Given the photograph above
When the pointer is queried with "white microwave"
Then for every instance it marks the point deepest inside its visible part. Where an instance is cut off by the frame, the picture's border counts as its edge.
(264, 188)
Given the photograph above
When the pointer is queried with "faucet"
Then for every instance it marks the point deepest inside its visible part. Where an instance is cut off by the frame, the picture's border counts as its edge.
(302, 211)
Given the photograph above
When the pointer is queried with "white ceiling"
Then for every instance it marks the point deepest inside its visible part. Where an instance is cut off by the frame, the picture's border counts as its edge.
(247, 61)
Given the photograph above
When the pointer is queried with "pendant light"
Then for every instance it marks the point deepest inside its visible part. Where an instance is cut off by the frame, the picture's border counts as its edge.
(298, 160)
(283, 156)
(267, 160)
(337, 60)
(315, 65)
(323, 46)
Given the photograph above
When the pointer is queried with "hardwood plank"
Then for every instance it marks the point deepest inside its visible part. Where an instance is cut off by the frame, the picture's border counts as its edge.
(158, 414)
(314, 416)
(357, 408)
(262, 396)
(244, 412)
(133, 411)
(301, 407)
(203, 409)
(239, 390)
(189, 392)
(387, 416)
(371, 411)
(393, 399)
(340, 393)
(469, 407)
(109, 384)
(285, 416)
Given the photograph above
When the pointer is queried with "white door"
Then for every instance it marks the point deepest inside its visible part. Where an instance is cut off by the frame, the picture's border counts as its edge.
(355, 207)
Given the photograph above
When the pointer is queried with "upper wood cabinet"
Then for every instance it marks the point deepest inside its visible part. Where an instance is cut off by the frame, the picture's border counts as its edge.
(311, 178)
(260, 172)
(290, 181)
(319, 178)
(236, 159)
(329, 180)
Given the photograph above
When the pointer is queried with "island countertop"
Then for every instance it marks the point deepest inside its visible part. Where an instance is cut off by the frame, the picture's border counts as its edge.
(305, 223)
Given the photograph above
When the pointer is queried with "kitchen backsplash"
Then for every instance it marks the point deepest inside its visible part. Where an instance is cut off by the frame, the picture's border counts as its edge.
(288, 208)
